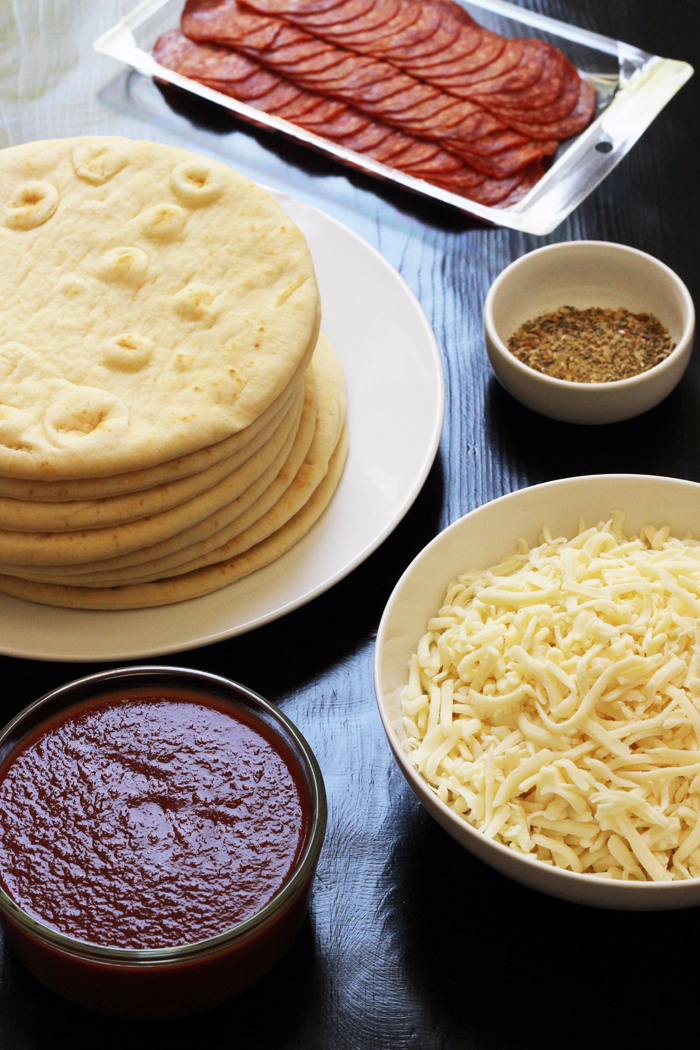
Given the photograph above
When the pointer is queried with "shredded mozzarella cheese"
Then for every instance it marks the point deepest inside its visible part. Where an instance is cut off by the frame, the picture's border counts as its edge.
(554, 702)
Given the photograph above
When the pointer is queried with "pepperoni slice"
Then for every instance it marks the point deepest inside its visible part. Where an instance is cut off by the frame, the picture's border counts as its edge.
(531, 176)
(174, 51)
(259, 84)
(206, 20)
(303, 105)
(508, 161)
(525, 73)
(578, 119)
(345, 11)
(414, 157)
(420, 67)
(428, 156)
(554, 78)
(462, 136)
(455, 11)
(291, 47)
(437, 32)
(415, 108)
(493, 57)
(380, 142)
(432, 34)
(431, 39)
(285, 8)
(317, 66)
(385, 45)
(330, 124)
(497, 141)
(493, 190)
(333, 19)
(359, 79)
(556, 111)
(368, 84)
(397, 27)
(430, 29)
(334, 120)
(482, 47)
(439, 167)
(374, 19)
(369, 21)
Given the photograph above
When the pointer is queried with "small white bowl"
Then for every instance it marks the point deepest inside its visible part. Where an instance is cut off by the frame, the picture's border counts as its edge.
(585, 274)
(479, 540)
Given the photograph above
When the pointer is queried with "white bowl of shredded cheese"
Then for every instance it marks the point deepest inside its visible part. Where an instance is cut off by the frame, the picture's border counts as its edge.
(583, 275)
(537, 671)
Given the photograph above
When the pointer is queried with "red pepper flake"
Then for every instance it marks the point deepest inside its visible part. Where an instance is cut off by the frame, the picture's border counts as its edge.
(591, 346)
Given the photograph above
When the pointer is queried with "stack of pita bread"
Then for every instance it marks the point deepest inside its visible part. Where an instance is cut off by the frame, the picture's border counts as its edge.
(170, 417)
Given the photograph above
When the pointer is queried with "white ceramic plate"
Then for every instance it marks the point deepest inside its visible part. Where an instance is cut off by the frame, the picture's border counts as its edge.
(396, 395)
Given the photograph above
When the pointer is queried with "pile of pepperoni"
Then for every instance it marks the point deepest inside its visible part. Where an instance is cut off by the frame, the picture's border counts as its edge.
(415, 84)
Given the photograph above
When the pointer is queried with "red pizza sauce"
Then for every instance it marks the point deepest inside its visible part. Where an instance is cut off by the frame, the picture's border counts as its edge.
(149, 820)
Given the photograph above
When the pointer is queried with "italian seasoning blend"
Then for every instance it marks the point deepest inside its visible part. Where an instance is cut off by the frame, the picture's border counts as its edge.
(591, 346)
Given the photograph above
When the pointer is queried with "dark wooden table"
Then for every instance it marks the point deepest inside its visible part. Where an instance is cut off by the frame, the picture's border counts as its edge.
(410, 942)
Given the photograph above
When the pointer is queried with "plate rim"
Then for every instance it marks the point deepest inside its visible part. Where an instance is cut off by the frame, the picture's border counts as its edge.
(105, 654)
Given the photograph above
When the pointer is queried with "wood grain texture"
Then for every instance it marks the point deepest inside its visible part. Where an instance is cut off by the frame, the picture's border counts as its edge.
(411, 943)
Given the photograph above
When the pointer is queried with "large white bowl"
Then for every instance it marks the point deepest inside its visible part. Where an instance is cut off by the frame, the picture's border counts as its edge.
(477, 541)
(585, 274)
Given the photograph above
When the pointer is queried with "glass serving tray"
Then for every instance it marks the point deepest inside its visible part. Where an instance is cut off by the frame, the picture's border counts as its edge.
(632, 87)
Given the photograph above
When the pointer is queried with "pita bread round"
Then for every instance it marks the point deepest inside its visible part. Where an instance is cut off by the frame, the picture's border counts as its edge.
(21, 516)
(77, 548)
(149, 477)
(209, 534)
(154, 303)
(242, 534)
(201, 581)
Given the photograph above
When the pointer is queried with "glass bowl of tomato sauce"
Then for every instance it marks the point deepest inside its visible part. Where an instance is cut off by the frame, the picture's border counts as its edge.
(159, 832)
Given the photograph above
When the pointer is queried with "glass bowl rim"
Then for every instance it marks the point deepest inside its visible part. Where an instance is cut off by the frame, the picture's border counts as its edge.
(226, 689)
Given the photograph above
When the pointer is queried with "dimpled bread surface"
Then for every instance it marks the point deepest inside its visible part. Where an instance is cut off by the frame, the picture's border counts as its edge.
(152, 303)
(326, 418)
(301, 502)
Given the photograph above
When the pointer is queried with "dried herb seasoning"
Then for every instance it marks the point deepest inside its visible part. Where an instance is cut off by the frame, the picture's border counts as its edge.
(591, 346)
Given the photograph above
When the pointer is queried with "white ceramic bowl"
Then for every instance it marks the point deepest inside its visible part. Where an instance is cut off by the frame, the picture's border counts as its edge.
(585, 274)
(477, 541)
